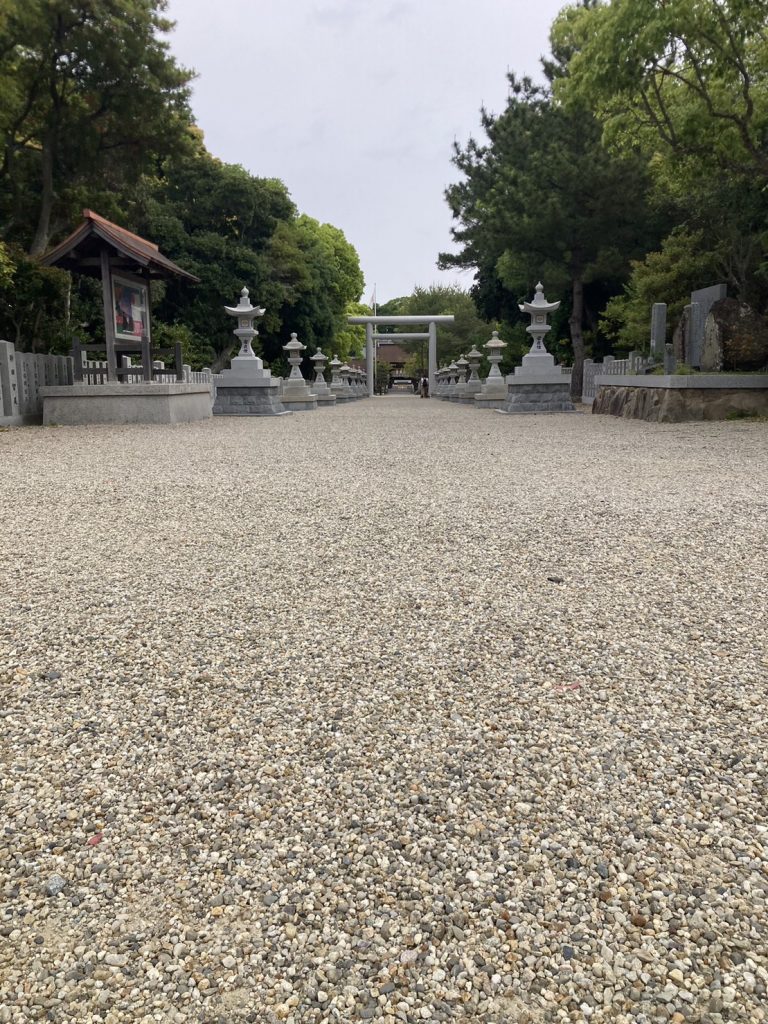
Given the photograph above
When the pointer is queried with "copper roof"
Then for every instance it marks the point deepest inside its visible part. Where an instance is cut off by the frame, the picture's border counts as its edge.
(76, 252)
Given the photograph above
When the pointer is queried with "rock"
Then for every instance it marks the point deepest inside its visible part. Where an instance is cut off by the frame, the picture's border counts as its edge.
(680, 405)
(55, 885)
(735, 338)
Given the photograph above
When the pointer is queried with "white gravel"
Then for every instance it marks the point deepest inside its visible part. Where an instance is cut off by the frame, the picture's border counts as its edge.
(396, 711)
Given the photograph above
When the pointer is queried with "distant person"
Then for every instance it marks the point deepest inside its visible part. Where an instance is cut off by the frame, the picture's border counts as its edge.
(424, 387)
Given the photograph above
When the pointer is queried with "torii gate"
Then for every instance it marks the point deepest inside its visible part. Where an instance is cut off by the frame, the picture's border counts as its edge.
(377, 321)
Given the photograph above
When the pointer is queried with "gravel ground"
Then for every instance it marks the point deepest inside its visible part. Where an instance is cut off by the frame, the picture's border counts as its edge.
(397, 711)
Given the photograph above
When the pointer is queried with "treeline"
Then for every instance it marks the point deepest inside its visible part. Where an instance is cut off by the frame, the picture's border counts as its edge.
(95, 112)
(634, 174)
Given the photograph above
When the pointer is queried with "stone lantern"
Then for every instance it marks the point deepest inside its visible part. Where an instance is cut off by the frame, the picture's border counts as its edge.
(538, 359)
(493, 393)
(538, 385)
(338, 387)
(246, 388)
(325, 399)
(461, 379)
(245, 331)
(474, 384)
(345, 372)
(296, 395)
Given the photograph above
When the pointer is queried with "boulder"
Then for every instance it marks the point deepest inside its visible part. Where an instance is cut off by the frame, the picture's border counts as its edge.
(735, 338)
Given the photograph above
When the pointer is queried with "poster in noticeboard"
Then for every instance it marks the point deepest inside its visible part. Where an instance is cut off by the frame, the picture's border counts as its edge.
(130, 301)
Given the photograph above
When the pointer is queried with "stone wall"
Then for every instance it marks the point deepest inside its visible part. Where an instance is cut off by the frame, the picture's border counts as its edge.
(679, 405)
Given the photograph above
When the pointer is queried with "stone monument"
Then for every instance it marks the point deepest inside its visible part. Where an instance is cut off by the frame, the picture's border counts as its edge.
(296, 395)
(460, 387)
(247, 389)
(538, 385)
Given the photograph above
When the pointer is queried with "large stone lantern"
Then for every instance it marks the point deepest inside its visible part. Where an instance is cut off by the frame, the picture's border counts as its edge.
(538, 385)
(245, 331)
(538, 359)
(246, 388)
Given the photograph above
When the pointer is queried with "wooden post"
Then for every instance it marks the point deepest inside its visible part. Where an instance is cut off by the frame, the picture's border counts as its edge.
(77, 361)
(179, 361)
(146, 358)
(109, 316)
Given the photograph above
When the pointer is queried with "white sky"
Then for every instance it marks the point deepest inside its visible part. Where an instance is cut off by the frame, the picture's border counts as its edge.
(355, 104)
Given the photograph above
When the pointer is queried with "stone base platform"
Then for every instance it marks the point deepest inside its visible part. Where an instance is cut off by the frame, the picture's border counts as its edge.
(538, 397)
(248, 400)
(307, 403)
(82, 404)
(682, 398)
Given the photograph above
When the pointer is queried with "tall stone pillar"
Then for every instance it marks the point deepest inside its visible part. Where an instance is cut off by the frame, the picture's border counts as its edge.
(432, 355)
(658, 329)
(369, 357)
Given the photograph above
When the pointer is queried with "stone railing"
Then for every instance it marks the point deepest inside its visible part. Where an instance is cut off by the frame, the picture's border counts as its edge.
(22, 374)
(634, 363)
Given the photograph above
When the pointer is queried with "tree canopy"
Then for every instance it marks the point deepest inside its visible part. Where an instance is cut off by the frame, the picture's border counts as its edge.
(94, 111)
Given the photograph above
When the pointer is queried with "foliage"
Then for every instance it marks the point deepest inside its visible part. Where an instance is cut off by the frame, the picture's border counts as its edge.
(668, 275)
(7, 266)
(194, 351)
(33, 305)
(542, 200)
(91, 96)
(468, 328)
(684, 83)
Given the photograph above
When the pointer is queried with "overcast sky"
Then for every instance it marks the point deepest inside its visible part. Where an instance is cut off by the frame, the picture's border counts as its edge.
(355, 104)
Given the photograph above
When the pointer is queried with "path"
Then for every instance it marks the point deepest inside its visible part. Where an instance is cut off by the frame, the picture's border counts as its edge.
(396, 711)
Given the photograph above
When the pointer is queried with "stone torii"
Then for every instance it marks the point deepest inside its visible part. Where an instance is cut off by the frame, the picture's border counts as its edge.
(371, 322)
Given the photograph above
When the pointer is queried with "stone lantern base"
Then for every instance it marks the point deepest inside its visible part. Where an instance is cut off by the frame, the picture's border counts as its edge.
(249, 400)
(296, 396)
(530, 396)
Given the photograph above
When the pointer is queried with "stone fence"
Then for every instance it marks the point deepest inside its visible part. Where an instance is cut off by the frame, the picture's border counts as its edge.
(634, 363)
(22, 374)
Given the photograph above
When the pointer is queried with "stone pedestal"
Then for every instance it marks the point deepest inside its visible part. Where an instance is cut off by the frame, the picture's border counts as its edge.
(76, 404)
(247, 389)
(533, 395)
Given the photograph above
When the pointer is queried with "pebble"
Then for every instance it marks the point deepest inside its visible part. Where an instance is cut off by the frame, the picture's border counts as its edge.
(349, 752)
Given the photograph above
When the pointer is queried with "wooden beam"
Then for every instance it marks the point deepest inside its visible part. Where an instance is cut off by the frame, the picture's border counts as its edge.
(109, 316)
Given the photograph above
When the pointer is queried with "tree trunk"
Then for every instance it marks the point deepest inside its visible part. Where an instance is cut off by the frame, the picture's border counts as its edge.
(43, 232)
(577, 338)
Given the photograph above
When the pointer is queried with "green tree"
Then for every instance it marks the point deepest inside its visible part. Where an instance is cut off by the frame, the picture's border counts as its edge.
(91, 96)
(684, 82)
(468, 328)
(542, 199)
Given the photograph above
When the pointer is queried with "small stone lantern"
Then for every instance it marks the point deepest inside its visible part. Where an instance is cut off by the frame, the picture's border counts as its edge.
(294, 348)
(321, 389)
(338, 386)
(296, 395)
(494, 347)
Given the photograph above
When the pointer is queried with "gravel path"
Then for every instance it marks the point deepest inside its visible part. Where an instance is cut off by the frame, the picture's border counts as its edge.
(397, 711)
